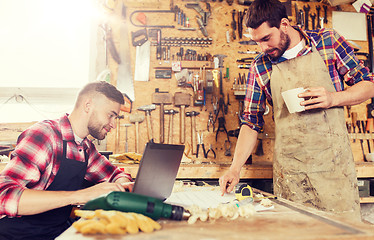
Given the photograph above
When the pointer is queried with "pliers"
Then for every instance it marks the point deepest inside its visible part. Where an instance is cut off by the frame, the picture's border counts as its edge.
(210, 150)
(200, 142)
(210, 121)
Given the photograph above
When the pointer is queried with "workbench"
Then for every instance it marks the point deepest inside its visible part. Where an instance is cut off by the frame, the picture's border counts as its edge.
(287, 220)
(257, 170)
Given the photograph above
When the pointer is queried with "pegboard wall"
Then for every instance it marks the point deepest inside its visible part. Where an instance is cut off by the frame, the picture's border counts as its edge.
(199, 52)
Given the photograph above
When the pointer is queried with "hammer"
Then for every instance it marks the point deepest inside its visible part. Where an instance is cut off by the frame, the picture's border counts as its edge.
(136, 118)
(171, 112)
(182, 100)
(161, 98)
(148, 109)
(117, 139)
(193, 114)
(126, 125)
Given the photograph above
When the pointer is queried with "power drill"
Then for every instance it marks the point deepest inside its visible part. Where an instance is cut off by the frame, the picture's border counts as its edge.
(132, 202)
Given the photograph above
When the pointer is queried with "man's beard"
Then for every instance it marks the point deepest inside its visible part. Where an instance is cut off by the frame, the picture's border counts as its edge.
(95, 129)
(283, 46)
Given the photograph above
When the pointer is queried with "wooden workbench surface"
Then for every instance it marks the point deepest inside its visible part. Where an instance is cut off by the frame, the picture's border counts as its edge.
(286, 221)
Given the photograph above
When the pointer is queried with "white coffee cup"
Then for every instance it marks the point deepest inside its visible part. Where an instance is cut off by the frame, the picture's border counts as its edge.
(292, 100)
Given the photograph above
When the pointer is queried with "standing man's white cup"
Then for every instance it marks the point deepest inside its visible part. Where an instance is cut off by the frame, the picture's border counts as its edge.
(292, 100)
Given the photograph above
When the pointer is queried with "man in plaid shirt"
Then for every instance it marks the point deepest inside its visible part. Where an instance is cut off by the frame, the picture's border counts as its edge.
(313, 163)
(50, 163)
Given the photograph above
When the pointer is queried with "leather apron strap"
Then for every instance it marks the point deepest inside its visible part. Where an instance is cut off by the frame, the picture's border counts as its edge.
(313, 161)
(50, 224)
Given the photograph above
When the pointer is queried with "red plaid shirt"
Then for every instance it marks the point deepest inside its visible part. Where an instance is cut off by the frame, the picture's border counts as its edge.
(34, 162)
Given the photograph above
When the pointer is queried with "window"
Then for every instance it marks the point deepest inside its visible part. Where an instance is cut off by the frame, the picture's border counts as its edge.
(47, 53)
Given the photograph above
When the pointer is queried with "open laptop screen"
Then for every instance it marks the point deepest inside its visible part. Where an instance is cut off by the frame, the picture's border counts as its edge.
(158, 169)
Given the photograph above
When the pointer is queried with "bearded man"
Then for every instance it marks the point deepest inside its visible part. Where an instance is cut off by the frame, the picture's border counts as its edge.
(52, 160)
(313, 162)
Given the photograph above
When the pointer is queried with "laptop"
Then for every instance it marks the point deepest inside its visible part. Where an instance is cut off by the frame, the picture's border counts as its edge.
(158, 170)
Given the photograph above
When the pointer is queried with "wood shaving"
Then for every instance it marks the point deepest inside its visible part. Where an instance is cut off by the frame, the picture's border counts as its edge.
(228, 211)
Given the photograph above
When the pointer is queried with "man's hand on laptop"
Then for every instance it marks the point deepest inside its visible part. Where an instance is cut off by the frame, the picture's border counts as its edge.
(126, 183)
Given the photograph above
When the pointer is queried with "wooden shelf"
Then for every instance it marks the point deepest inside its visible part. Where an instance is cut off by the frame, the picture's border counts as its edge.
(366, 199)
(212, 171)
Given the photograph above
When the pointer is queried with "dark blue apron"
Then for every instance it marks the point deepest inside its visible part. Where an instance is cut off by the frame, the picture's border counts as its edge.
(50, 224)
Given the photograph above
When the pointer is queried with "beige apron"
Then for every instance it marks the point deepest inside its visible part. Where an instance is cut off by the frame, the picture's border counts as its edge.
(313, 161)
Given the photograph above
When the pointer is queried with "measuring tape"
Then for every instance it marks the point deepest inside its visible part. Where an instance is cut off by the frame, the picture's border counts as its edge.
(243, 192)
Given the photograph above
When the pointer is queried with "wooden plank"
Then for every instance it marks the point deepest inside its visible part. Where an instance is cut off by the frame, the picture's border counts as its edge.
(367, 200)
(258, 170)
(286, 221)
(365, 169)
(208, 171)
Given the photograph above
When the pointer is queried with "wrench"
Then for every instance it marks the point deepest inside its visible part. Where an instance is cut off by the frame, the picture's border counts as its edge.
(313, 17)
(318, 9)
(325, 18)
(306, 11)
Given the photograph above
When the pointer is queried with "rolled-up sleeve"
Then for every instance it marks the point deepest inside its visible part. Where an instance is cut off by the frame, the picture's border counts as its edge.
(254, 102)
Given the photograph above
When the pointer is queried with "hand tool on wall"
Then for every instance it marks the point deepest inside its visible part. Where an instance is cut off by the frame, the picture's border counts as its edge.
(126, 125)
(298, 22)
(125, 78)
(147, 109)
(139, 37)
(301, 17)
(233, 25)
(210, 149)
(259, 149)
(110, 44)
(354, 122)
(361, 140)
(240, 22)
(171, 112)
(193, 115)
(227, 148)
(200, 142)
(364, 130)
(318, 9)
(210, 122)
(369, 23)
(202, 21)
(162, 99)
(306, 11)
(132, 202)
(313, 17)
(118, 133)
(158, 12)
(370, 126)
(199, 96)
(325, 17)
(222, 128)
(136, 118)
(182, 100)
